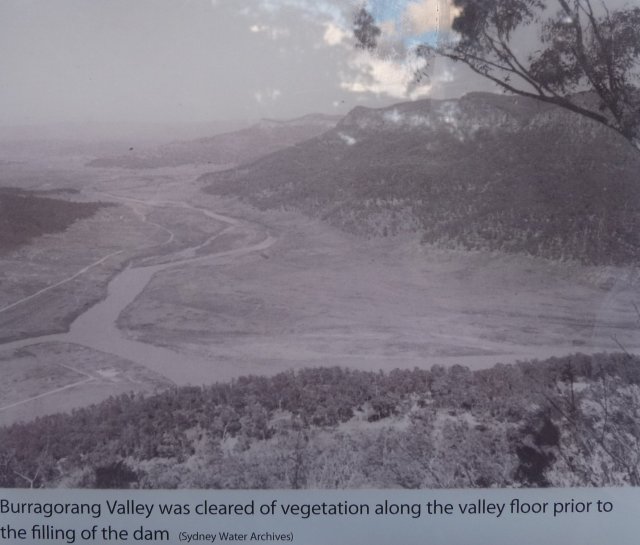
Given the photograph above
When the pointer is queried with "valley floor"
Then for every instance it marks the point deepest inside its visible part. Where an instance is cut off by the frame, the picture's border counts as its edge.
(234, 291)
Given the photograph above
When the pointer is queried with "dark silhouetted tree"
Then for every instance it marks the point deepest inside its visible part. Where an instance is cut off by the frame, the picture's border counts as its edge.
(585, 57)
(365, 30)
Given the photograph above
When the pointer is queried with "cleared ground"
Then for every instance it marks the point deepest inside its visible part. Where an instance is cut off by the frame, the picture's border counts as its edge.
(320, 297)
(56, 377)
(316, 296)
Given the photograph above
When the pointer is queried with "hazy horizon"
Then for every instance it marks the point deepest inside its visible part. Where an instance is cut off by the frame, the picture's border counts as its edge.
(186, 62)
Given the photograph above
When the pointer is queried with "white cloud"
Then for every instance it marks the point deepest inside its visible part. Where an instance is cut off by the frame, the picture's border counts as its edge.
(348, 140)
(389, 29)
(388, 71)
(422, 16)
(274, 33)
(325, 9)
(267, 94)
(389, 76)
(394, 116)
(334, 34)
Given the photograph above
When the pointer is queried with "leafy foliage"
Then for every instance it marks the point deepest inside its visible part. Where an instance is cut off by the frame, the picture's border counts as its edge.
(365, 29)
(566, 421)
(580, 46)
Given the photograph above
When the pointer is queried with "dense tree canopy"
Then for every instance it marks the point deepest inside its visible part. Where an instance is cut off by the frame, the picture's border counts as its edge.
(571, 421)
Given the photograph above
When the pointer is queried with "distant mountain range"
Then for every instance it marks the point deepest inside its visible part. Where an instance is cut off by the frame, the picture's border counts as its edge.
(230, 148)
(482, 172)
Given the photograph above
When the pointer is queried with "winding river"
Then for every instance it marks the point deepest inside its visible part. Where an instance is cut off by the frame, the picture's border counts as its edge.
(96, 328)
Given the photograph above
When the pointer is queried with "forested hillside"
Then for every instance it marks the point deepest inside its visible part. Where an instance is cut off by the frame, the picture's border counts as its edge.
(572, 421)
(482, 172)
(25, 215)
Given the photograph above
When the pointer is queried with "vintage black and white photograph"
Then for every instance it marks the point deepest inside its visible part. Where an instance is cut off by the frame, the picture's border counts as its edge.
(316, 244)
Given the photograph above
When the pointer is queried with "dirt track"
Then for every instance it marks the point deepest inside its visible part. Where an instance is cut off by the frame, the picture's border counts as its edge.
(212, 293)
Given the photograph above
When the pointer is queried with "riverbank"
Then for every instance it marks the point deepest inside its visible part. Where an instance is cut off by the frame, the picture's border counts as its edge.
(210, 295)
(322, 297)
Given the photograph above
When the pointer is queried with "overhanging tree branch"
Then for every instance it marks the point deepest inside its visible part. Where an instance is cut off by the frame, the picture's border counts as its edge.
(582, 50)
(557, 100)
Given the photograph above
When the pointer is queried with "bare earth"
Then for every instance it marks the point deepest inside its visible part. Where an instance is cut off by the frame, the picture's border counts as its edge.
(320, 297)
(233, 291)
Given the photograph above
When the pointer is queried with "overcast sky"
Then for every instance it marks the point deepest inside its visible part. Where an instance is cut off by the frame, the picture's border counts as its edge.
(174, 61)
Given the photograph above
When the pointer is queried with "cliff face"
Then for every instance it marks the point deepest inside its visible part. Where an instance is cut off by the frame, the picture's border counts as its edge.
(482, 172)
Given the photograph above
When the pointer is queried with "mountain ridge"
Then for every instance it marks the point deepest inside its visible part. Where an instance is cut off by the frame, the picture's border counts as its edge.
(234, 147)
(484, 171)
